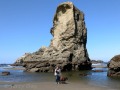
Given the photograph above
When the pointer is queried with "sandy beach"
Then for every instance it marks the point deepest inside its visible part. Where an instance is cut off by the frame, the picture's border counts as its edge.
(50, 86)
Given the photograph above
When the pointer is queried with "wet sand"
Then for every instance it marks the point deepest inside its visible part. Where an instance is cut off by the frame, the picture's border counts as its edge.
(50, 86)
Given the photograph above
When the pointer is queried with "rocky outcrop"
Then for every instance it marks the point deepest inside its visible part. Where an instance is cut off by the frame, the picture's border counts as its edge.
(114, 66)
(5, 73)
(19, 61)
(68, 46)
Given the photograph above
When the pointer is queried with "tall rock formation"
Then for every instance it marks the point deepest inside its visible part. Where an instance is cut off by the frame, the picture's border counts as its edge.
(114, 66)
(68, 46)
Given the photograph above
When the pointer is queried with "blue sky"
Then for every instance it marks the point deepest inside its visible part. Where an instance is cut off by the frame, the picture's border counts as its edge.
(25, 26)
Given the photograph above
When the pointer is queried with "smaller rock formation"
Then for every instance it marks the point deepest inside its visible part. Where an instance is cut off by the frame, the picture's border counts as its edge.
(114, 66)
(97, 61)
(19, 61)
(5, 73)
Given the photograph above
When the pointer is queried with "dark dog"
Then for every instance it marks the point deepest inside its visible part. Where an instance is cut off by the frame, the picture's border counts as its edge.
(63, 80)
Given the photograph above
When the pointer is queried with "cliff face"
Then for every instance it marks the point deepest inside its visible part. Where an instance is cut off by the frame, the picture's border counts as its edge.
(114, 66)
(68, 46)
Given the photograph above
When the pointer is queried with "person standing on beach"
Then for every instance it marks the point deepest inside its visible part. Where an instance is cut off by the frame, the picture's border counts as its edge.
(57, 74)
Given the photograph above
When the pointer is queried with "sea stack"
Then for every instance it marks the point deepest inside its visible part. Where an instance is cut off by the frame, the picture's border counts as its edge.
(114, 66)
(68, 46)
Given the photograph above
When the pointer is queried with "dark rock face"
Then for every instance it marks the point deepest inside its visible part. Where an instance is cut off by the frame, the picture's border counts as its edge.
(68, 46)
(114, 66)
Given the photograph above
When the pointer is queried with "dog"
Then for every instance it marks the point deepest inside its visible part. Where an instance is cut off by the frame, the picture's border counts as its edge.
(63, 80)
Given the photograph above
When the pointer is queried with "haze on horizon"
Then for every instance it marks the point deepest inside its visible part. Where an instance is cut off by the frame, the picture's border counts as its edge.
(25, 27)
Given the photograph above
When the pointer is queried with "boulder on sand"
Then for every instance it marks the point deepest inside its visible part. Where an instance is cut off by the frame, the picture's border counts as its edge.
(114, 66)
(5, 73)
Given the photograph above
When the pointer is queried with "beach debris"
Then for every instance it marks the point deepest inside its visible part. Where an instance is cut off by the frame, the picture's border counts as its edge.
(97, 70)
(83, 74)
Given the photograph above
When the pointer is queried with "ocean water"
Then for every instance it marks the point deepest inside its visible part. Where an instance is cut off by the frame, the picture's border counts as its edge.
(92, 78)
(21, 76)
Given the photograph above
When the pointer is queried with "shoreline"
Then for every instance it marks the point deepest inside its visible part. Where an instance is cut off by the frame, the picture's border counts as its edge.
(50, 86)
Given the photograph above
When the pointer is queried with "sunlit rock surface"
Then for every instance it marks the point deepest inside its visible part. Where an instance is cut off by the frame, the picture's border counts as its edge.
(68, 46)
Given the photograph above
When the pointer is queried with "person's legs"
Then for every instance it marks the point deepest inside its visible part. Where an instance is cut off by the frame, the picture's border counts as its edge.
(57, 79)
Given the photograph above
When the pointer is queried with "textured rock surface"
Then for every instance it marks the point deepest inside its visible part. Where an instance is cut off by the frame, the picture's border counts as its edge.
(19, 61)
(114, 66)
(68, 46)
